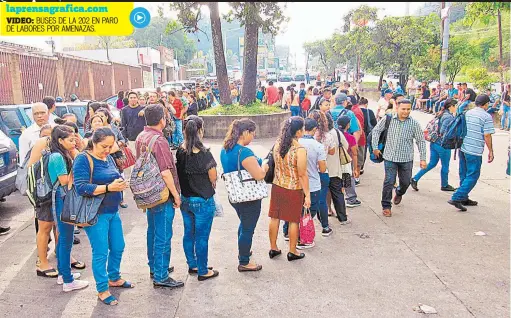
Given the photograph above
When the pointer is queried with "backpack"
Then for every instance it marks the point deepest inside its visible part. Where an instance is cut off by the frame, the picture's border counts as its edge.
(454, 134)
(39, 185)
(146, 183)
(21, 176)
(432, 130)
(381, 141)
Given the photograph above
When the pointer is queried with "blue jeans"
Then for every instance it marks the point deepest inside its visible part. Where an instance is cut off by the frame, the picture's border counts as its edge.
(65, 241)
(505, 115)
(295, 110)
(198, 216)
(177, 137)
(314, 209)
(470, 170)
(159, 234)
(462, 107)
(439, 106)
(323, 207)
(248, 213)
(393, 169)
(107, 242)
(437, 153)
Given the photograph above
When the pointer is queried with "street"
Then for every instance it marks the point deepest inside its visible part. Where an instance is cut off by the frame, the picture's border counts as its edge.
(426, 253)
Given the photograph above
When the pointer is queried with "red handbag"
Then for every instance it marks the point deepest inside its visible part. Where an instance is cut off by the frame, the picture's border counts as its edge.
(307, 230)
(126, 160)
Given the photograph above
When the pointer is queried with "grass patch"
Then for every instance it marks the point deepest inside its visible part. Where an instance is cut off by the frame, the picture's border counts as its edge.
(256, 108)
(370, 85)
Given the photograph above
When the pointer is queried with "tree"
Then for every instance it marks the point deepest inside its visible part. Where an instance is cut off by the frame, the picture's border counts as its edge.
(267, 16)
(155, 34)
(481, 78)
(189, 16)
(489, 13)
(461, 53)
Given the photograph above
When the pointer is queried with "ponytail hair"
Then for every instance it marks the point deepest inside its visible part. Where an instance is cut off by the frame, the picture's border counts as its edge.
(236, 129)
(193, 125)
(289, 129)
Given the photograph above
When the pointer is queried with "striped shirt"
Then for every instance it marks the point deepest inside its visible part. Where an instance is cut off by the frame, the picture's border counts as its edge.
(400, 136)
(479, 123)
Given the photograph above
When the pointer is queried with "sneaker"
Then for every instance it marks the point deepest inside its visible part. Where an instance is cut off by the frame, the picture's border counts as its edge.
(469, 202)
(361, 171)
(357, 181)
(348, 221)
(458, 205)
(353, 204)
(76, 241)
(4, 230)
(75, 285)
(413, 184)
(301, 246)
(286, 237)
(77, 231)
(60, 280)
(327, 232)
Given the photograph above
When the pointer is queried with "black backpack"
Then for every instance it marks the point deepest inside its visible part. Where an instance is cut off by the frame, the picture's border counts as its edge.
(39, 185)
(381, 141)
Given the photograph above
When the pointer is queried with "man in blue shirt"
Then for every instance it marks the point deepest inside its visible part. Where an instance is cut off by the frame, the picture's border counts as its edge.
(479, 131)
(341, 101)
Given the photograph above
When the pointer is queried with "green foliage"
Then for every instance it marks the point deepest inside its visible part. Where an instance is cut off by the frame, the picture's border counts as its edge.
(481, 78)
(256, 108)
(268, 15)
(158, 32)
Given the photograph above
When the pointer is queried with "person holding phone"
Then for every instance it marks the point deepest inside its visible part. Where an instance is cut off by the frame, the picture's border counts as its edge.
(106, 236)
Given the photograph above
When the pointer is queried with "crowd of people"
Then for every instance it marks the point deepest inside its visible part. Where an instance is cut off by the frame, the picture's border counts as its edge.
(315, 165)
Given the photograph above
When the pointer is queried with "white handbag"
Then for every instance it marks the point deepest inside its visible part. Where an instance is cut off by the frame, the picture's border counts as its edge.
(242, 187)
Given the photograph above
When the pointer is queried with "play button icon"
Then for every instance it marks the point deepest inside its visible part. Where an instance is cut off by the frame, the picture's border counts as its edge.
(140, 17)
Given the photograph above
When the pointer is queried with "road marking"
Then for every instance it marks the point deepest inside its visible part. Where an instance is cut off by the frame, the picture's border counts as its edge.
(10, 272)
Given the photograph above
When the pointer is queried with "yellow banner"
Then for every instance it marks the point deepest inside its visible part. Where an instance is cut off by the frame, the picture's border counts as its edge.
(58, 18)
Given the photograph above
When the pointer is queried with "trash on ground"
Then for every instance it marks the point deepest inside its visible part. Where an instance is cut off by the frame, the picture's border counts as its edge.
(425, 309)
(480, 233)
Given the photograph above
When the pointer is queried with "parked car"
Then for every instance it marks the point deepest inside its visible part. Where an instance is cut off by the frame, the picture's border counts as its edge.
(299, 78)
(8, 165)
(285, 78)
(13, 121)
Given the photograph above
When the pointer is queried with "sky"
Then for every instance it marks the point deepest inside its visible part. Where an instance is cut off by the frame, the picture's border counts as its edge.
(309, 21)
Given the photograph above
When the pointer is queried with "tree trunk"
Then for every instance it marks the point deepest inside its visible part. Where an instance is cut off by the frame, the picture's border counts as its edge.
(218, 47)
(248, 92)
(380, 81)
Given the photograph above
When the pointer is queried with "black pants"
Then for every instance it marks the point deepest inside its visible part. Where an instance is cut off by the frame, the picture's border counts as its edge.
(402, 170)
(338, 198)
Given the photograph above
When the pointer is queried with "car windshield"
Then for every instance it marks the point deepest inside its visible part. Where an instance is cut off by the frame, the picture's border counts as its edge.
(60, 111)
(79, 112)
(10, 119)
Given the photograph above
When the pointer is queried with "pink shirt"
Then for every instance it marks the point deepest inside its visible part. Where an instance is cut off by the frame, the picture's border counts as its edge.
(273, 95)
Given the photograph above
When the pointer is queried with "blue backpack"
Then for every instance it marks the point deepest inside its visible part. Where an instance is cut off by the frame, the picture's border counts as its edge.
(454, 134)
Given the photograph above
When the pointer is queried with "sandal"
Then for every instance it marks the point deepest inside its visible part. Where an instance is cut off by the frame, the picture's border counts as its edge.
(110, 300)
(124, 205)
(78, 265)
(47, 273)
(126, 284)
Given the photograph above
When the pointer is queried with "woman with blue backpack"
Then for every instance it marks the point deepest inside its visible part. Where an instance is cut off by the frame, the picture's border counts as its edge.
(437, 152)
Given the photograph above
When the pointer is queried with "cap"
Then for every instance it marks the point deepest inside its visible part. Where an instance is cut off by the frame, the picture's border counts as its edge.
(343, 121)
(340, 98)
(59, 99)
(388, 91)
(482, 99)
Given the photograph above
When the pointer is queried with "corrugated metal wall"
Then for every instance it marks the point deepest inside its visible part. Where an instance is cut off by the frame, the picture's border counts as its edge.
(136, 77)
(76, 78)
(102, 77)
(6, 96)
(38, 78)
(121, 78)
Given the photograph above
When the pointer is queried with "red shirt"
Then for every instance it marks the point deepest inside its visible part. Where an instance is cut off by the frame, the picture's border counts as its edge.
(360, 116)
(161, 151)
(178, 106)
(273, 94)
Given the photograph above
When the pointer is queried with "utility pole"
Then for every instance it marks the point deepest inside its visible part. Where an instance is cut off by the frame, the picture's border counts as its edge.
(501, 64)
(445, 43)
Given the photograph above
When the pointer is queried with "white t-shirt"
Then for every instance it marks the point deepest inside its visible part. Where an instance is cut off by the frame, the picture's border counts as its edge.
(27, 140)
(382, 107)
(333, 162)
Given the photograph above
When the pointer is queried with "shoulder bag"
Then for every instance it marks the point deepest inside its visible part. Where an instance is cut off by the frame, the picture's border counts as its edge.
(81, 210)
(344, 156)
(242, 187)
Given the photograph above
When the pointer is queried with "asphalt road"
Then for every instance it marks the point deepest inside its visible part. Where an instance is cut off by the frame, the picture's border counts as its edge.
(426, 253)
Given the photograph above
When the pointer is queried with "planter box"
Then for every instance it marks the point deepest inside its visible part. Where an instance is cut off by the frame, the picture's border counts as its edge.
(268, 126)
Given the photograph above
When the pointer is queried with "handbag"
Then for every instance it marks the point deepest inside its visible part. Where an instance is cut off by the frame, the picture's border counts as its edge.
(126, 160)
(307, 230)
(343, 154)
(270, 174)
(81, 210)
(242, 187)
